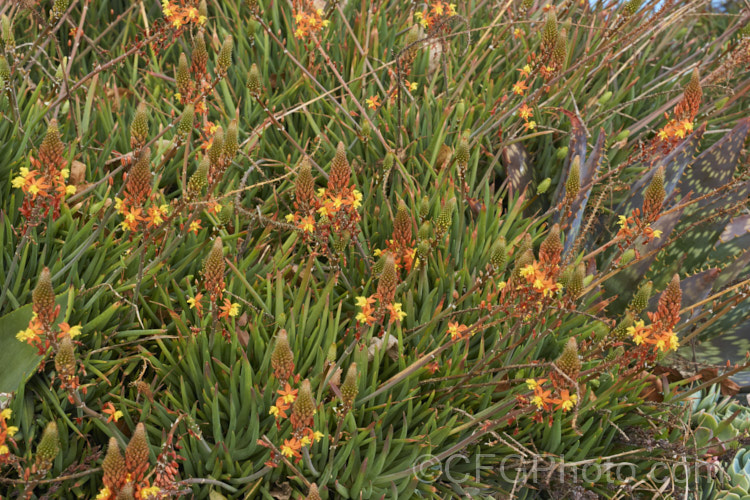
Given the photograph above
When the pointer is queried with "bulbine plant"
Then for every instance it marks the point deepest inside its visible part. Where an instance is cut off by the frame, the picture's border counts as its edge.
(254, 249)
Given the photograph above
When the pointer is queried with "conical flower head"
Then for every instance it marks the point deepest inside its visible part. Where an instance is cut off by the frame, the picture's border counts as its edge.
(462, 152)
(402, 226)
(424, 208)
(313, 493)
(304, 187)
(51, 149)
(137, 453)
(113, 466)
(341, 242)
(573, 183)
(379, 265)
(654, 197)
(388, 281)
(199, 179)
(425, 232)
(499, 255)
(9, 41)
(217, 147)
(670, 302)
(620, 331)
(231, 142)
(200, 55)
(213, 269)
(185, 125)
(282, 357)
(631, 7)
(139, 128)
(126, 492)
(182, 76)
(58, 9)
(225, 56)
(48, 448)
(569, 362)
(423, 250)
(688, 108)
(549, 33)
(349, 388)
(560, 52)
(4, 72)
(138, 187)
(640, 300)
(551, 248)
(303, 410)
(341, 171)
(526, 258)
(43, 298)
(254, 84)
(575, 285)
(445, 218)
(227, 212)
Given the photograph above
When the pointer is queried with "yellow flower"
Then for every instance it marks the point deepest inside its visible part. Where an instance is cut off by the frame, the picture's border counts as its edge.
(11, 430)
(164, 209)
(234, 310)
(195, 226)
(117, 415)
(317, 436)
(501, 285)
(177, 22)
(531, 384)
(527, 271)
(287, 451)
(18, 182)
(452, 9)
(34, 189)
(191, 301)
(274, 410)
(177, 96)
(361, 301)
(377, 252)
(323, 211)
(399, 312)
(517, 33)
(663, 135)
(4, 450)
(325, 23)
(308, 226)
(104, 494)
(151, 491)
(674, 343)
(657, 233)
(305, 441)
(118, 205)
(538, 401)
(569, 403)
(65, 173)
(373, 102)
(6, 413)
(74, 331)
(289, 217)
(70, 190)
(357, 199)
(321, 192)
(362, 318)
(25, 335)
(413, 86)
(622, 221)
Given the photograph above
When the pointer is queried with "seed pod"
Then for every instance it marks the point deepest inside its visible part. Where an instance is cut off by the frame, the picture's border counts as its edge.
(282, 357)
(423, 250)
(560, 52)
(254, 81)
(313, 494)
(58, 9)
(425, 232)
(526, 5)
(569, 362)
(213, 269)
(691, 101)
(544, 186)
(379, 265)
(410, 47)
(227, 212)
(640, 300)
(9, 40)
(549, 33)
(4, 72)
(620, 331)
(48, 448)
(614, 354)
(631, 7)
(499, 255)
(51, 149)
(551, 247)
(341, 242)
(365, 131)
(231, 143)
(182, 77)
(138, 187)
(402, 226)
(627, 257)
(199, 179)
(424, 208)
(252, 6)
(387, 281)
(462, 153)
(445, 218)
(217, 147)
(303, 410)
(113, 466)
(139, 128)
(202, 8)
(43, 298)
(349, 388)
(573, 183)
(225, 56)
(304, 187)
(185, 125)
(200, 56)
(341, 171)
(137, 453)
(575, 285)
(388, 162)
(654, 197)
(332, 354)
(126, 492)
(65, 361)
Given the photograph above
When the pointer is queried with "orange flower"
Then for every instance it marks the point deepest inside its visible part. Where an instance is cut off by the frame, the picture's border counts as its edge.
(114, 414)
(525, 112)
(520, 87)
(291, 448)
(456, 330)
(288, 395)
